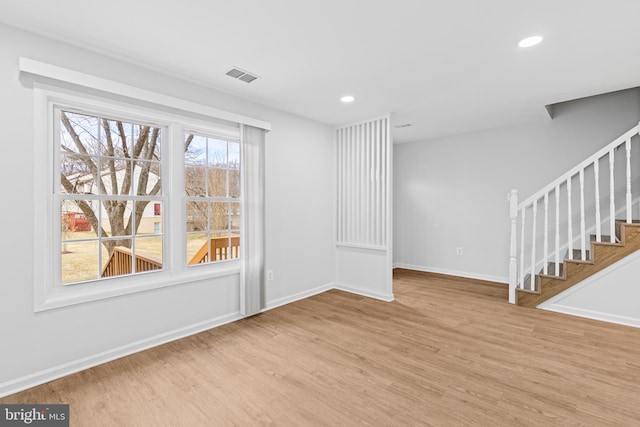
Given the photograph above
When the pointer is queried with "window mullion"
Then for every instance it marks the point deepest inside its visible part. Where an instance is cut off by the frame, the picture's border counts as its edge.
(176, 221)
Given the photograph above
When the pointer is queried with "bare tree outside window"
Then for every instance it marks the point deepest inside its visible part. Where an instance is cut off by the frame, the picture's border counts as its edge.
(212, 187)
(110, 197)
(108, 168)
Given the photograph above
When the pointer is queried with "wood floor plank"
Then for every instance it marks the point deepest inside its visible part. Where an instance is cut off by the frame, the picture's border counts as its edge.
(447, 351)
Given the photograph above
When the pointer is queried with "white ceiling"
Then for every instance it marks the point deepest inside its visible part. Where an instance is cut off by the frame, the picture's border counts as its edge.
(444, 66)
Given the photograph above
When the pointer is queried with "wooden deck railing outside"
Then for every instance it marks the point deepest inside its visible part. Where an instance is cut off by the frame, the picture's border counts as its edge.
(219, 248)
(120, 263)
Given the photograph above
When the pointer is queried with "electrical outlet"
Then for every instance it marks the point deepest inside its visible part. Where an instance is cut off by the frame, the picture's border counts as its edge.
(458, 251)
(270, 275)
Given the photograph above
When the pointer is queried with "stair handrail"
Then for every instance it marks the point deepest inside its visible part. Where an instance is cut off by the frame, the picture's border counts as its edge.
(583, 165)
(515, 207)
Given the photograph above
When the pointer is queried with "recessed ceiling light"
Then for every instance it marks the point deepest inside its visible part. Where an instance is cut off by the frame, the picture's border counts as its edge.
(347, 99)
(530, 41)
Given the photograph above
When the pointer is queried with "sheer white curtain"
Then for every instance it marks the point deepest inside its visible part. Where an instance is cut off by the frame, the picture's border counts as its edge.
(253, 212)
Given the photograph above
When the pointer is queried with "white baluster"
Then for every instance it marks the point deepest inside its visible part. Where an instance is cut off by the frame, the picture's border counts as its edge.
(628, 146)
(596, 174)
(339, 189)
(513, 253)
(557, 260)
(612, 198)
(524, 217)
(569, 221)
(357, 185)
(545, 267)
(583, 246)
(533, 246)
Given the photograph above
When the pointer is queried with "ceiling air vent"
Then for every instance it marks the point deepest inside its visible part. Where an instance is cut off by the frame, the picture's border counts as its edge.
(240, 74)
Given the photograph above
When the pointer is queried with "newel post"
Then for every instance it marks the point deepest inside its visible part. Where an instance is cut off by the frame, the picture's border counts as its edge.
(513, 253)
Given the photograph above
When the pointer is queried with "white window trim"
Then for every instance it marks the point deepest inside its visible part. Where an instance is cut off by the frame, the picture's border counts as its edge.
(175, 272)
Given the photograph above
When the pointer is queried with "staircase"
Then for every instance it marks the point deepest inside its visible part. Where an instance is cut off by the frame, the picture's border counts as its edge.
(573, 271)
(557, 237)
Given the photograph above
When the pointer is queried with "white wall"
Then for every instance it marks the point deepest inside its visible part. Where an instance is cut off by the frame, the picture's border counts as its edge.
(299, 237)
(612, 294)
(451, 192)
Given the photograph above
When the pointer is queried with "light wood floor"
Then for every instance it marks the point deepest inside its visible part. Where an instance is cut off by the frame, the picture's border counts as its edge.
(447, 352)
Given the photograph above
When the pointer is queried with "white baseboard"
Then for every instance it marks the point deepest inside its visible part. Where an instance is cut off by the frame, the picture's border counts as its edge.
(297, 297)
(595, 315)
(375, 295)
(44, 376)
(485, 277)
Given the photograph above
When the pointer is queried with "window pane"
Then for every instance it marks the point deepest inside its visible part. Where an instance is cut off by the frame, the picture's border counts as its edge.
(234, 183)
(197, 248)
(75, 174)
(146, 178)
(217, 182)
(219, 216)
(195, 151)
(197, 215)
(79, 261)
(74, 224)
(234, 155)
(116, 138)
(146, 142)
(220, 250)
(235, 245)
(115, 177)
(79, 133)
(117, 259)
(234, 216)
(151, 218)
(217, 153)
(195, 181)
(116, 217)
(148, 253)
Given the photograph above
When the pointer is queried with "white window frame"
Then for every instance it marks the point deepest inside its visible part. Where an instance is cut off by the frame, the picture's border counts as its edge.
(49, 295)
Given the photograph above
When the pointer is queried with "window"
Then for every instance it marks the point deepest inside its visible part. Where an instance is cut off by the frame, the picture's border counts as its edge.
(110, 174)
(212, 187)
(112, 223)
